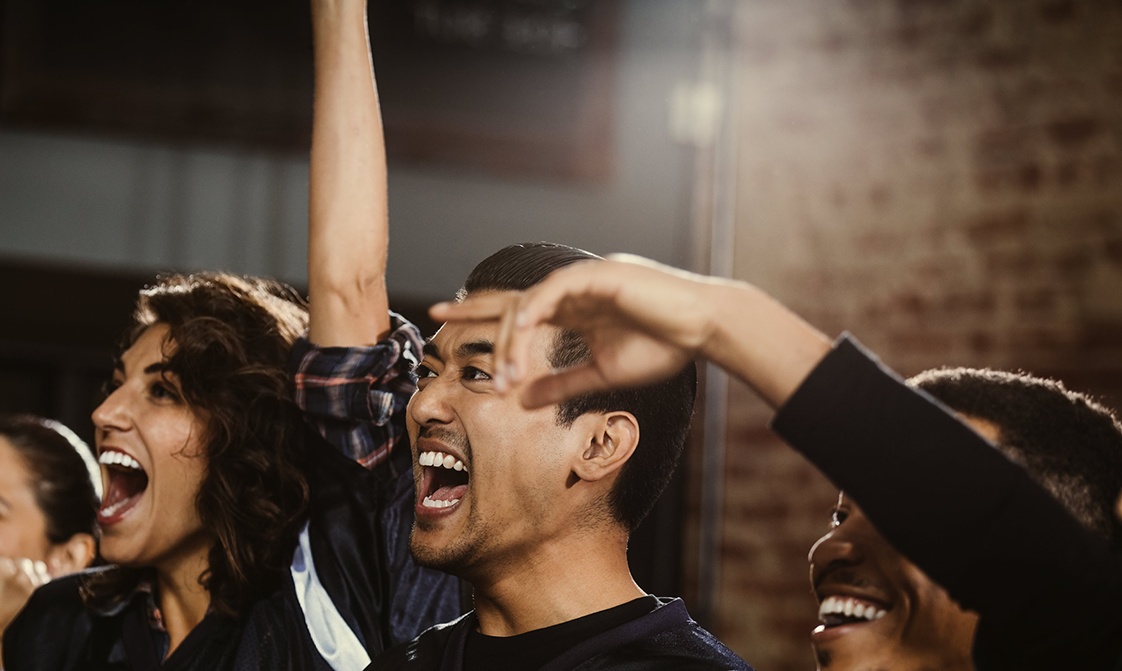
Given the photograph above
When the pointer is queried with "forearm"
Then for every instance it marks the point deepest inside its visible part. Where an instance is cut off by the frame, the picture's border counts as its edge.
(757, 339)
(348, 223)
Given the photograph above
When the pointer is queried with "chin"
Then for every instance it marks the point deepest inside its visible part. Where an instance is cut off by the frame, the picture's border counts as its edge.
(117, 553)
(856, 655)
(434, 555)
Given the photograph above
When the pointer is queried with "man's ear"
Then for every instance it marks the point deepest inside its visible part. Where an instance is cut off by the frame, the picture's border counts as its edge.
(612, 440)
(72, 555)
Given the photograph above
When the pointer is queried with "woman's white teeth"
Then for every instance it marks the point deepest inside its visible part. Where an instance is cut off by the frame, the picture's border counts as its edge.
(849, 607)
(113, 458)
(430, 503)
(440, 460)
(112, 510)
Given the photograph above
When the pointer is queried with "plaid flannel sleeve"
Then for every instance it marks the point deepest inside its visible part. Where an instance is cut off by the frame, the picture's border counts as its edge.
(356, 396)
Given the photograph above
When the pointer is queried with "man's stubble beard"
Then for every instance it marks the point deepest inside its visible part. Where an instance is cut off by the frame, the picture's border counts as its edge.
(459, 556)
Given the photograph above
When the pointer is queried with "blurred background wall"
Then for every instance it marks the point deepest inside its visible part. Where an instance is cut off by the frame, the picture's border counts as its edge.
(943, 179)
(940, 177)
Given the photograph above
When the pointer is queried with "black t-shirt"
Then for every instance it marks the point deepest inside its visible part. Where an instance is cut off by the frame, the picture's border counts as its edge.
(534, 649)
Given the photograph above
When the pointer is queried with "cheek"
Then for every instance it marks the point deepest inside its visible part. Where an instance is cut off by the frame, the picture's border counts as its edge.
(180, 461)
(933, 614)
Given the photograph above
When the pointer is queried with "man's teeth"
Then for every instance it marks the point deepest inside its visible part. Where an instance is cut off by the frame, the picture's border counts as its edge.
(441, 460)
(849, 607)
(429, 503)
(113, 458)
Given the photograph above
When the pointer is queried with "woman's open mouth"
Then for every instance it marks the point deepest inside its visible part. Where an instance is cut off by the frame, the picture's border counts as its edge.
(125, 483)
(444, 481)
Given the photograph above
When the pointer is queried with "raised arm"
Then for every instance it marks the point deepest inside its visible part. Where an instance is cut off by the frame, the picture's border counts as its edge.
(352, 375)
(347, 211)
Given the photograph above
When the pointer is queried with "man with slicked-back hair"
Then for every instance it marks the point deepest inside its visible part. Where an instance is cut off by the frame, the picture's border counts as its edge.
(534, 507)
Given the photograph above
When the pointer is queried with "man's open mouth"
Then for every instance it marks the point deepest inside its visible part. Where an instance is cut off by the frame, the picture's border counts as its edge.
(444, 480)
(124, 485)
(838, 610)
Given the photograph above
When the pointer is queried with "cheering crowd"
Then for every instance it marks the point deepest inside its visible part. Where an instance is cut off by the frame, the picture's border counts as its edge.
(288, 484)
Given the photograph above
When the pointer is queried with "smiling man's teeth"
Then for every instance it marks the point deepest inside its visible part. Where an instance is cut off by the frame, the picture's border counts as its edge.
(429, 503)
(113, 458)
(849, 607)
(441, 460)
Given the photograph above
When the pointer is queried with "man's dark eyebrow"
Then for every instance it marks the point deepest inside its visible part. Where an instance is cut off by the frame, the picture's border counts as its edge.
(430, 350)
(468, 349)
(158, 367)
(474, 348)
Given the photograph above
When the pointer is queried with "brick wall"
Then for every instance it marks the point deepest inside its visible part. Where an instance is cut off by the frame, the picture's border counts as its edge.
(943, 179)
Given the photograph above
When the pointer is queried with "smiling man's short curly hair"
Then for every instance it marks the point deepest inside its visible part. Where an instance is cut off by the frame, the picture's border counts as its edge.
(1067, 442)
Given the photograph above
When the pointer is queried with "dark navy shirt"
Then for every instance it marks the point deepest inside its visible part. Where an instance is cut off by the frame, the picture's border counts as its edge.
(631, 637)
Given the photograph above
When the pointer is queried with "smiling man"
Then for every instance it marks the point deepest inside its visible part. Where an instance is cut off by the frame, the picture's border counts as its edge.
(879, 610)
(534, 507)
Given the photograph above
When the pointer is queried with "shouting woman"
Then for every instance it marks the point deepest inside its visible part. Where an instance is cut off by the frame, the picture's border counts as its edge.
(255, 514)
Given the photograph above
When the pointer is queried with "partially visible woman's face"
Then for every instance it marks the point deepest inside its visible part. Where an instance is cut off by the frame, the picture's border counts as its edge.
(150, 446)
(23, 526)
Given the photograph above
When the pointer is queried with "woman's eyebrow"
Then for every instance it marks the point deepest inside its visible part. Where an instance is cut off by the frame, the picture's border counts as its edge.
(158, 367)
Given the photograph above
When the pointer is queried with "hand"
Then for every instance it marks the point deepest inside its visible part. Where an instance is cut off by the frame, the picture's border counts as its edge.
(642, 321)
(18, 579)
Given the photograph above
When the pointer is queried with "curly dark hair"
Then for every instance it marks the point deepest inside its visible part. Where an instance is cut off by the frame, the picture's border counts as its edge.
(229, 339)
(1070, 444)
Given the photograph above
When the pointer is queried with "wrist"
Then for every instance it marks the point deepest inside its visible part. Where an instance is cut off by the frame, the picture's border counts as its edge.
(725, 304)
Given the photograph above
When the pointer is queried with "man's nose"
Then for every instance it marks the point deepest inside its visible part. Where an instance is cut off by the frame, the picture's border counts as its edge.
(430, 404)
(833, 546)
(838, 547)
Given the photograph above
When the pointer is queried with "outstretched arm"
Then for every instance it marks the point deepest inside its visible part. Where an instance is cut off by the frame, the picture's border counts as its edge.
(347, 211)
(643, 322)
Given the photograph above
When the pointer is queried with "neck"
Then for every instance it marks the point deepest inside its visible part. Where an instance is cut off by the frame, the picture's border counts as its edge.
(560, 581)
(183, 601)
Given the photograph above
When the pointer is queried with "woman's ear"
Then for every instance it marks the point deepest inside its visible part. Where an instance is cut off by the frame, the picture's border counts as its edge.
(613, 440)
(72, 555)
